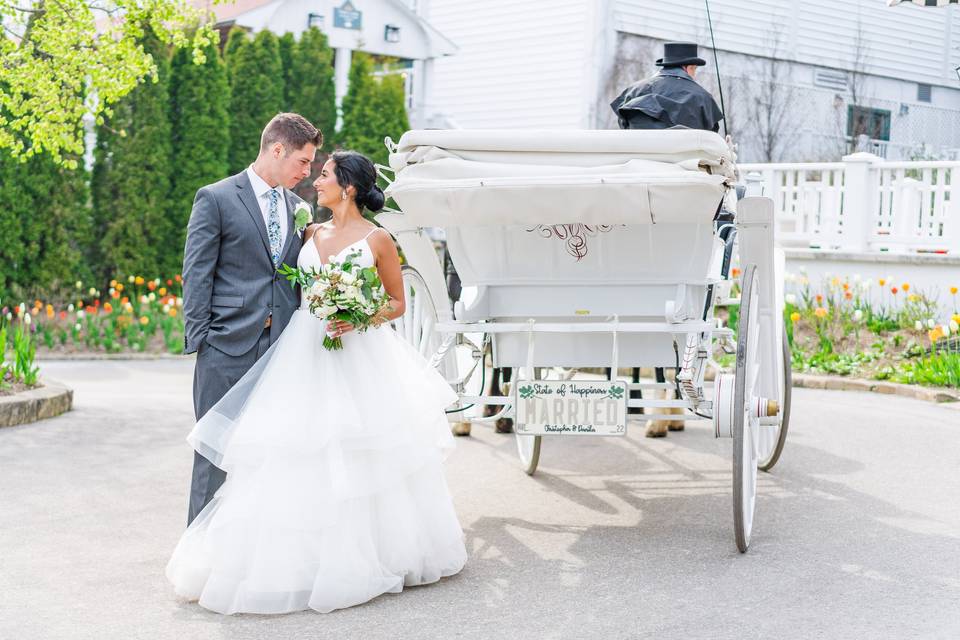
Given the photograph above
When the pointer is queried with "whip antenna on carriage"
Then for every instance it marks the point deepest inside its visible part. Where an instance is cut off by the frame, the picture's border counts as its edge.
(716, 62)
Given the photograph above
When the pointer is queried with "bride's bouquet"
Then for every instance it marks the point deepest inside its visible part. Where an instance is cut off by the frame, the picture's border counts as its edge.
(341, 291)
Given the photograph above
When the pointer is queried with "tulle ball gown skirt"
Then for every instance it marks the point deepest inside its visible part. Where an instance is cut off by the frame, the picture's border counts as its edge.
(335, 490)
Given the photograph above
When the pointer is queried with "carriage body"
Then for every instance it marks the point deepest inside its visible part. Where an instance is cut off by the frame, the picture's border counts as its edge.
(593, 249)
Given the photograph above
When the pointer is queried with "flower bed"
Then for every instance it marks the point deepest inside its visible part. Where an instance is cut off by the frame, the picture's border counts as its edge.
(834, 328)
(141, 316)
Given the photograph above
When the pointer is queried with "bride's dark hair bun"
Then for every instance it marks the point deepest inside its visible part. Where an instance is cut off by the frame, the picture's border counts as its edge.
(375, 198)
(356, 169)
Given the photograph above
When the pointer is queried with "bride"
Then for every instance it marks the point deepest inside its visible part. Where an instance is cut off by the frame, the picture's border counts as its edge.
(335, 490)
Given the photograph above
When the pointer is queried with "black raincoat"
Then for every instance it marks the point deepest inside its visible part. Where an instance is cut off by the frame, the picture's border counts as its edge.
(668, 99)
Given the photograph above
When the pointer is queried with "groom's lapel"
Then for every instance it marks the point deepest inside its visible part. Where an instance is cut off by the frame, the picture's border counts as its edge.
(291, 226)
(249, 200)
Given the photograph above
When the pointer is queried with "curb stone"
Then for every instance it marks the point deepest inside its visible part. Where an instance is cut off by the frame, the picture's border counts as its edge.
(840, 383)
(55, 357)
(50, 400)
(837, 383)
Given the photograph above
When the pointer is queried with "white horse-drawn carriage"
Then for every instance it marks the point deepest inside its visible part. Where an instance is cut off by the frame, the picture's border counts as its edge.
(588, 249)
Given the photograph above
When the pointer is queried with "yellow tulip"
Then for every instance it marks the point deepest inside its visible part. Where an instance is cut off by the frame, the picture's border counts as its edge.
(794, 317)
(953, 291)
(820, 312)
(144, 320)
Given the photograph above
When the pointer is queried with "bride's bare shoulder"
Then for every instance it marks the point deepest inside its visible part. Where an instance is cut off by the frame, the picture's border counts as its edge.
(379, 238)
(382, 245)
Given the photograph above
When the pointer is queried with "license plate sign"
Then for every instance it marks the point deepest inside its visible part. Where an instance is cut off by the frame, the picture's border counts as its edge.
(571, 407)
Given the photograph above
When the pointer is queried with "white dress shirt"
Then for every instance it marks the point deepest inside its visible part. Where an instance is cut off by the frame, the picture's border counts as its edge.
(262, 189)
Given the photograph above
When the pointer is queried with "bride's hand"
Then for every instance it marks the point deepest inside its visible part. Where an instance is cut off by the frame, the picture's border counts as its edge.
(340, 327)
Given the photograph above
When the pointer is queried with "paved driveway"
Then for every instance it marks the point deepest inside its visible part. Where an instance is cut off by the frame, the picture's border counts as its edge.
(857, 533)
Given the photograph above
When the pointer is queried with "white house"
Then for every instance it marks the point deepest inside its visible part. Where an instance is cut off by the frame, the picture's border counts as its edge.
(802, 79)
(388, 28)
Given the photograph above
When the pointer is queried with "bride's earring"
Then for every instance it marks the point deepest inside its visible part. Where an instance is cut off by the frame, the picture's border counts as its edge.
(343, 194)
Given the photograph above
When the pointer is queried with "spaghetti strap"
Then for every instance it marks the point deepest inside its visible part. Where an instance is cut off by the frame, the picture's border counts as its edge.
(369, 234)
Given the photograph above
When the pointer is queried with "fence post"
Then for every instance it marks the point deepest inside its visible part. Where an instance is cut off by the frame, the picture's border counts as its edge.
(905, 226)
(860, 189)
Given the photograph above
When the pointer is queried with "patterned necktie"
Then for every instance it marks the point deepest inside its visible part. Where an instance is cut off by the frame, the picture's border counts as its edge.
(273, 227)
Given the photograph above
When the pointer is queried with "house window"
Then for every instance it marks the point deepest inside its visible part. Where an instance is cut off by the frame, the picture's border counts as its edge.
(874, 123)
(924, 93)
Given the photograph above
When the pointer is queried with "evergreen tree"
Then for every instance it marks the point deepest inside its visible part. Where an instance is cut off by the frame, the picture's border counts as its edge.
(200, 127)
(256, 96)
(288, 52)
(372, 109)
(55, 233)
(389, 103)
(44, 218)
(15, 206)
(354, 133)
(236, 40)
(131, 181)
(311, 84)
(44, 227)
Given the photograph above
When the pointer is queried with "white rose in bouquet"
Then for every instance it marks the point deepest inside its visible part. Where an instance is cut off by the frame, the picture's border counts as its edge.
(324, 311)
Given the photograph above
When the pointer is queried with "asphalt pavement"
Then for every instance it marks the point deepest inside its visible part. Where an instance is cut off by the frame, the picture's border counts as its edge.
(857, 532)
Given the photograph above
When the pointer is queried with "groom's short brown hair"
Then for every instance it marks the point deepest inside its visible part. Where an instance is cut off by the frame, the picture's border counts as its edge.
(291, 130)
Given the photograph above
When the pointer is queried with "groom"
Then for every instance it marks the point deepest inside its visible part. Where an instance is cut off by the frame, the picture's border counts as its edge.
(234, 303)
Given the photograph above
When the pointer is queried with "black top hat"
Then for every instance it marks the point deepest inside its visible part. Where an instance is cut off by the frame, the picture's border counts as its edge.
(680, 54)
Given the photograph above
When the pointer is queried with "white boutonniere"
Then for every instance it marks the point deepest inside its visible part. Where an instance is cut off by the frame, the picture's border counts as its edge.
(302, 216)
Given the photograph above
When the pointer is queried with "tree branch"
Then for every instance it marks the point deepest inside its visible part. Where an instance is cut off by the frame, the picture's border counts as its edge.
(20, 9)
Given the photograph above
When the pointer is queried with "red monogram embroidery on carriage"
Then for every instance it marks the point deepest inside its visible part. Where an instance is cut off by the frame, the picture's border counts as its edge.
(575, 235)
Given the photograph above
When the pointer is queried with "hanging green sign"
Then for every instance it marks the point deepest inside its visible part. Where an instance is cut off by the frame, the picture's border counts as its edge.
(346, 16)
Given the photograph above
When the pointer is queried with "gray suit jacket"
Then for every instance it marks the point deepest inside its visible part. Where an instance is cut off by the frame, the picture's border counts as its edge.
(229, 283)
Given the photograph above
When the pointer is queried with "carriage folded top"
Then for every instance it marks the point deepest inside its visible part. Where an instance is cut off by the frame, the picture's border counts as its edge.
(447, 178)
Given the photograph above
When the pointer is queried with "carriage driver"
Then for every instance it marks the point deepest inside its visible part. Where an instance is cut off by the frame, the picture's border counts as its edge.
(670, 98)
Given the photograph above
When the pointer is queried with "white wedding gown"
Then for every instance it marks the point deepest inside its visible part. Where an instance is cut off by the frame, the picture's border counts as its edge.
(335, 491)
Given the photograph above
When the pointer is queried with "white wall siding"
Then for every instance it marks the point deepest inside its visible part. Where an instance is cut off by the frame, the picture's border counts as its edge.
(520, 64)
(905, 41)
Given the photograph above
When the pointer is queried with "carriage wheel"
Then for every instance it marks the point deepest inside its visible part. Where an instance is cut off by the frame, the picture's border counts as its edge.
(745, 424)
(420, 315)
(772, 437)
(528, 447)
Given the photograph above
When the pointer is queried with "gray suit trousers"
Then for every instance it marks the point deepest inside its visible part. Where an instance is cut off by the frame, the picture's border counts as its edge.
(214, 374)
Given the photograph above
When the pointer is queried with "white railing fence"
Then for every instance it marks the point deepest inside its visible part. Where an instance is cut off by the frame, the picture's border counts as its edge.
(864, 204)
